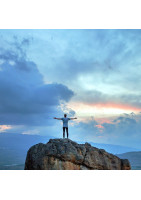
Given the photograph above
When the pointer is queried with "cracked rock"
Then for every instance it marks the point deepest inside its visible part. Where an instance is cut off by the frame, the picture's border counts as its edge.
(65, 154)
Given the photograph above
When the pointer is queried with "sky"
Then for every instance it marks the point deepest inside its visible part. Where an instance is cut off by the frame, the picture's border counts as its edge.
(94, 75)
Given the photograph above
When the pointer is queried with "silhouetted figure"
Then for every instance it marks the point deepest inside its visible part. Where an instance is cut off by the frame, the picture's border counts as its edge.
(65, 124)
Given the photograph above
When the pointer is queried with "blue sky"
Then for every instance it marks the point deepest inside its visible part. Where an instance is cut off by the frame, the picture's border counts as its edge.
(92, 74)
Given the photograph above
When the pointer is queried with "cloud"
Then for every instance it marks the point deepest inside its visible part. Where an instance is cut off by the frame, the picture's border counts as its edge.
(97, 64)
(100, 99)
(87, 51)
(122, 130)
(66, 109)
(4, 128)
(31, 132)
(25, 98)
(102, 67)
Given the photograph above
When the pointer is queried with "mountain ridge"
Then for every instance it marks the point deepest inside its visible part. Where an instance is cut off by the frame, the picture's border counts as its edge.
(134, 158)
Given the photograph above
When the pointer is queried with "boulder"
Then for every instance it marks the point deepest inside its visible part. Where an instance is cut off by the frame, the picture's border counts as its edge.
(65, 154)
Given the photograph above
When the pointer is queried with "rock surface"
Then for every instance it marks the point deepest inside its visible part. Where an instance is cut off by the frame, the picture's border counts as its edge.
(64, 154)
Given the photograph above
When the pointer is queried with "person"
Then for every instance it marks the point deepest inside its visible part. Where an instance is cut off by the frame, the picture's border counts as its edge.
(65, 124)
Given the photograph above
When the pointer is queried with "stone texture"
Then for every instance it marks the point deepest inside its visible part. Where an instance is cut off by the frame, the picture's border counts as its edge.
(65, 154)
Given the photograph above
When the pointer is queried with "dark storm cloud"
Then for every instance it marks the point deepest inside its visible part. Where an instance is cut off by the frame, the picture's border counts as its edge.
(24, 98)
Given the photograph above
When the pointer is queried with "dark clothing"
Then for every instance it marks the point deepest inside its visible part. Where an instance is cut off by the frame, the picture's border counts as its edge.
(66, 131)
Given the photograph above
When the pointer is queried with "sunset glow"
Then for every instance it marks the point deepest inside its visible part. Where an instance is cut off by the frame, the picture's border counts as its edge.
(3, 128)
(99, 110)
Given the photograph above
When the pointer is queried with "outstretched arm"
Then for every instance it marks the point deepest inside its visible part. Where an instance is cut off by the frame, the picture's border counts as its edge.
(57, 118)
(73, 118)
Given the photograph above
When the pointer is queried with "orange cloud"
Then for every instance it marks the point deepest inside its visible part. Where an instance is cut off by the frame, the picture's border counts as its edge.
(110, 105)
(3, 128)
(115, 106)
(99, 126)
(104, 120)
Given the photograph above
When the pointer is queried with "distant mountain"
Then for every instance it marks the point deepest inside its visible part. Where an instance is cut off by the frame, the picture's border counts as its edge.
(14, 147)
(16, 141)
(114, 149)
(134, 159)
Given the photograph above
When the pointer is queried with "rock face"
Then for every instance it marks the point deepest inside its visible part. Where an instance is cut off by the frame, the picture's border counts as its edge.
(64, 154)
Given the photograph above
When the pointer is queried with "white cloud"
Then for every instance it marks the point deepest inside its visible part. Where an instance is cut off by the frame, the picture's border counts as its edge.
(31, 132)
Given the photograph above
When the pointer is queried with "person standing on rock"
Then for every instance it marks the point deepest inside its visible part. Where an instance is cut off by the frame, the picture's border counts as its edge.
(65, 124)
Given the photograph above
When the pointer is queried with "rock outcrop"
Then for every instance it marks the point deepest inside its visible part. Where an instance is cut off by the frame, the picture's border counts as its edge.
(64, 154)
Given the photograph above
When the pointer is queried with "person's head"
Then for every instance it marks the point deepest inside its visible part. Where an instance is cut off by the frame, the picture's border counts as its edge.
(65, 115)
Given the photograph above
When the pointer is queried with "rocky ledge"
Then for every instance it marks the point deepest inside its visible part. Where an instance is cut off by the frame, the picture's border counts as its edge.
(65, 154)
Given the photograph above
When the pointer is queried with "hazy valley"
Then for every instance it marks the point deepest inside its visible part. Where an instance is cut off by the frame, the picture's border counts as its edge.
(14, 147)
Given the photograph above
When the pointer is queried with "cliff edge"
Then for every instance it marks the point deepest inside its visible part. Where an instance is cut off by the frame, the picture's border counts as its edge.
(65, 154)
